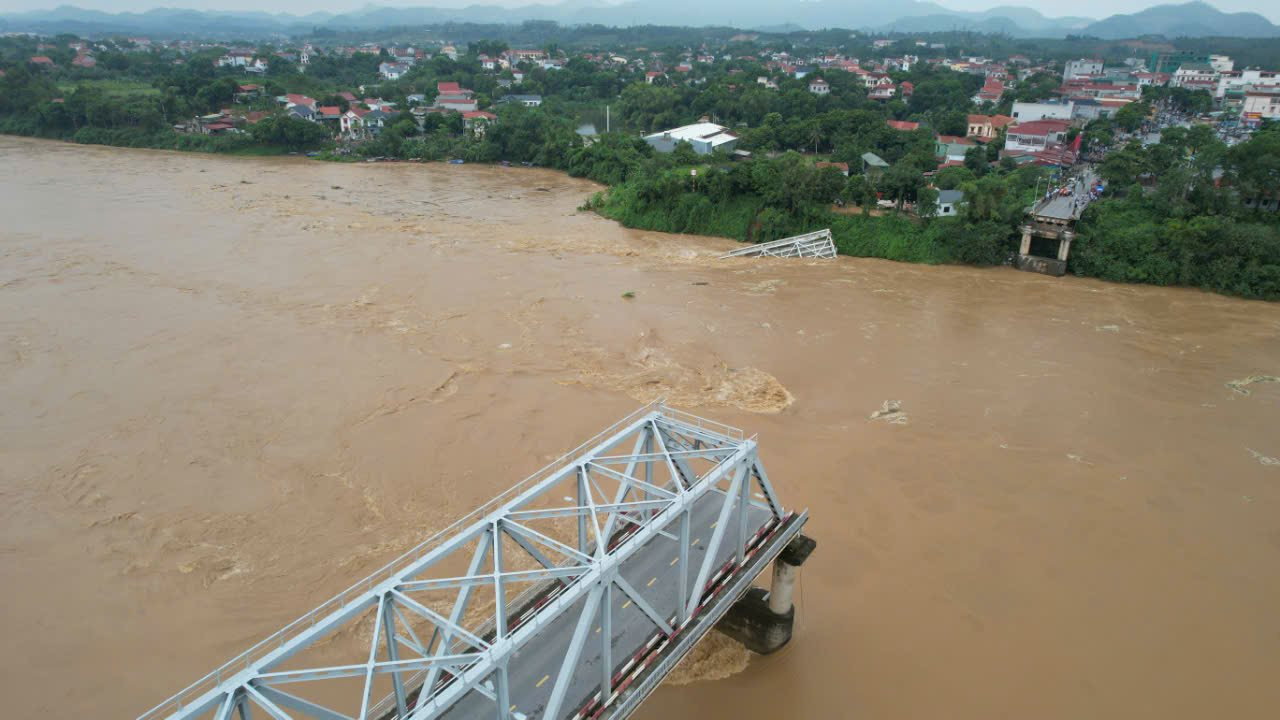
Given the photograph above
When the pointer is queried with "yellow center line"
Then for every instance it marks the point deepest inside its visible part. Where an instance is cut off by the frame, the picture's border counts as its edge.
(626, 605)
(543, 680)
(675, 560)
(512, 709)
(696, 541)
(597, 631)
(714, 524)
(651, 582)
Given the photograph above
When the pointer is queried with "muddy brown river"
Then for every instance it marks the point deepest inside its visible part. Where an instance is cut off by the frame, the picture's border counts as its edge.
(231, 387)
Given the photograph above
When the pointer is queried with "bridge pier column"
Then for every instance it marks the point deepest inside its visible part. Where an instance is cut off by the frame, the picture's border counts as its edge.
(1026, 241)
(1064, 245)
(763, 620)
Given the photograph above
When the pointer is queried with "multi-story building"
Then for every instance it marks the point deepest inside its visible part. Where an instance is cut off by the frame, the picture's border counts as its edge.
(1083, 67)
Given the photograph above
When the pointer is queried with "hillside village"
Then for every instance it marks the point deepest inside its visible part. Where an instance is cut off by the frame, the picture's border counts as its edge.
(1028, 131)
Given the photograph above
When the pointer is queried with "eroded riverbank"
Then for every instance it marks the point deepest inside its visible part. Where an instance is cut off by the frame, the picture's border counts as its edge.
(234, 379)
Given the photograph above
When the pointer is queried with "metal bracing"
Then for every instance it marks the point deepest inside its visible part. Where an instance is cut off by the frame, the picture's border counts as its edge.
(512, 612)
(818, 244)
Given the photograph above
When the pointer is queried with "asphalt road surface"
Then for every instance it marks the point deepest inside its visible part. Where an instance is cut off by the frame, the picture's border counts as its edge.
(1064, 207)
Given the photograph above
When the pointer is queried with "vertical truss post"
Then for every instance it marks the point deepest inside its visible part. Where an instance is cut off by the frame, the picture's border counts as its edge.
(744, 498)
(373, 657)
(606, 644)
(582, 516)
(393, 654)
(504, 692)
(499, 592)
(648, 462)
(683, 564)
(585, 483)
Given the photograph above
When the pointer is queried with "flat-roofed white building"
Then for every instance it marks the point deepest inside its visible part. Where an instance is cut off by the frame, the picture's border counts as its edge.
(705, 137)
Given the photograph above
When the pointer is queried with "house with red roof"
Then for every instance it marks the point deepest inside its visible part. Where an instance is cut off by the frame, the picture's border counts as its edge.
(452, 96)
(351, 123)
(986, 127)
(295, 100)
(84, 61)
(477, 120)
(992, 90)
(42, 61)
(1036, 135)
(452, 89)
(903, 125)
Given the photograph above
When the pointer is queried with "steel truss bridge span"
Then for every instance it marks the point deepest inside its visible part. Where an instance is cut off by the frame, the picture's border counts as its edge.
(571, 595)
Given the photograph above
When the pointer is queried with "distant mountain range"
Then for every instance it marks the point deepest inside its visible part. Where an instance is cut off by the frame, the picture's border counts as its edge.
(1193, 19)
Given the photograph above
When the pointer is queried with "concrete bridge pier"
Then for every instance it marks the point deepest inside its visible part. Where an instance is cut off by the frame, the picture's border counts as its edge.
(763, 620)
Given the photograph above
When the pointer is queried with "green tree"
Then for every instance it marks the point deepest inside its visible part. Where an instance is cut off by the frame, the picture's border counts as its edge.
(289, 132)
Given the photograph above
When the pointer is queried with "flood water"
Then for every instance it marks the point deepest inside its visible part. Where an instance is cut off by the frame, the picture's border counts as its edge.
(231, 387)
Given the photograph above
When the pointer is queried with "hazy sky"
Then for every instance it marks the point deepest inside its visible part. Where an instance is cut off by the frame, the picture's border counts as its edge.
(1052, 8)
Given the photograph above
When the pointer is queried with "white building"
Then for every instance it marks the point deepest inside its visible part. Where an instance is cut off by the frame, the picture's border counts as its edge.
(949, 202)
(705, 137)
(393, 70)
(1241, 79)
(1195, 75)
(1081, 68)
(1029, 111)
(1263, 104)
(818, 86)
(1222, 63)
(236, 58)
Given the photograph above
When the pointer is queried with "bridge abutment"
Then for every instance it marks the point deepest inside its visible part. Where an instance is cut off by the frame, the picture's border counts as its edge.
(762, 620)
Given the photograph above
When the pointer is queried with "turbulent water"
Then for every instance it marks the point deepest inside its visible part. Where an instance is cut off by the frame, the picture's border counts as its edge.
(230, 387)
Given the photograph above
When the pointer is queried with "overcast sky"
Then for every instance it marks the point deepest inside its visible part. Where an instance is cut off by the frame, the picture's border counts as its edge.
(1087, 8)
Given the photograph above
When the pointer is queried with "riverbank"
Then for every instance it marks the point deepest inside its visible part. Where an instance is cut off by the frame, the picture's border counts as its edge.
(1130, 239)
(232, 386)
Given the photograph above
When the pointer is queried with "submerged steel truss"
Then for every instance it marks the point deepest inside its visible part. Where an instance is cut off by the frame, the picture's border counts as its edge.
(536, 605)
(817, 244)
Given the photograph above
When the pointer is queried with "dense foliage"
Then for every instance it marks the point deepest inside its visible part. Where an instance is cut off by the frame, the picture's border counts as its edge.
(1186, 213)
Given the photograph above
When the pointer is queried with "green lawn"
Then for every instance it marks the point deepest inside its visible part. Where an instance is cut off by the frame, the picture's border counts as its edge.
(113, 87)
